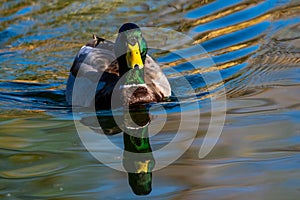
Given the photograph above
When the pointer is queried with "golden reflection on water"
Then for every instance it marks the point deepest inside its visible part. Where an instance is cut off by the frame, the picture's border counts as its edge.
(226, 30)
(225, 12)
(256, 156)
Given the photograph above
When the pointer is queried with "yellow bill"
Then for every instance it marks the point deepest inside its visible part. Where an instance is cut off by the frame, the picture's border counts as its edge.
(133, 56)
(142, 166)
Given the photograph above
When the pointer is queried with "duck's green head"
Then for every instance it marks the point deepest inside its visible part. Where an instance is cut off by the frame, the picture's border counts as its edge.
(130, 49)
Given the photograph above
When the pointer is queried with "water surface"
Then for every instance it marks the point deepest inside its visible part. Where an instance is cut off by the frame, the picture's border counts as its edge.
(255, 46)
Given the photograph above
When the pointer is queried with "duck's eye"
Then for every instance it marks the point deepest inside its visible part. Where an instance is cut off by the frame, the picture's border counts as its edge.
(136, 53)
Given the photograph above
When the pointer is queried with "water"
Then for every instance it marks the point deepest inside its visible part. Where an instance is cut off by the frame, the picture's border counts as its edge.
(256, 48)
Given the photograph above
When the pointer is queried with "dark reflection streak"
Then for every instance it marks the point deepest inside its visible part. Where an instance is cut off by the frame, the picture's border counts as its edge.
(288, 39)
(291, 149)
(11, 151)
(294, 106)
(238, 111)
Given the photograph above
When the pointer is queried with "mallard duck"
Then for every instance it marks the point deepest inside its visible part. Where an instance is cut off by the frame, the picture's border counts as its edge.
(102, 67)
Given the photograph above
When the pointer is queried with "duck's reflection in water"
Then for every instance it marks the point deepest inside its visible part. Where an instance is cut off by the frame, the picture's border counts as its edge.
(138, 160)
(137, 155)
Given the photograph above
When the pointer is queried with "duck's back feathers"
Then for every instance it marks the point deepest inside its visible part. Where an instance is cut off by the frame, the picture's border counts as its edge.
(94, 58)
(94, 68)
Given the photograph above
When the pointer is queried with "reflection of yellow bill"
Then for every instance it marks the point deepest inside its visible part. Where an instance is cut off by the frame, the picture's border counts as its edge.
(133, 56)
(142, 166)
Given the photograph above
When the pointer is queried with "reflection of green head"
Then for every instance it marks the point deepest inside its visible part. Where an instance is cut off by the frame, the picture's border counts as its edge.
(140, 182)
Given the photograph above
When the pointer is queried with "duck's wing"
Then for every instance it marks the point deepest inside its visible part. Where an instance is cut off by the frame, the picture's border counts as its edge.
(156, 79)
(94, 58)
(95, 70)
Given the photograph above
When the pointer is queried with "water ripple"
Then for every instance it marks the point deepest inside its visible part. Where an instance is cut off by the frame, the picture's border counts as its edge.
(255, 45)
